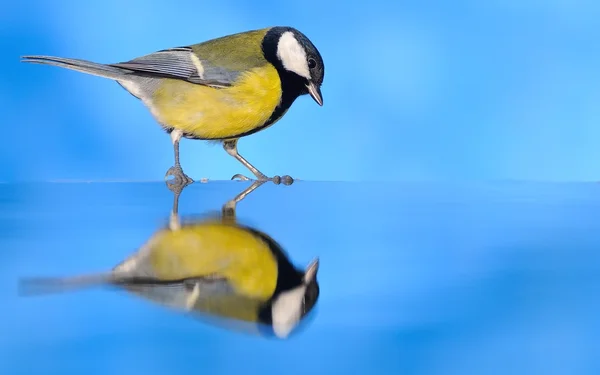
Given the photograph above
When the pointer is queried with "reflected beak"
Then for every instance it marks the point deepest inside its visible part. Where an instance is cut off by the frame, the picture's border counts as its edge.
(315, 92)
(311, 271)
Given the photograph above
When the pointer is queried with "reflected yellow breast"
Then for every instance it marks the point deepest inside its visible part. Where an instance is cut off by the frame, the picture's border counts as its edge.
(211, 113)
(216, 249)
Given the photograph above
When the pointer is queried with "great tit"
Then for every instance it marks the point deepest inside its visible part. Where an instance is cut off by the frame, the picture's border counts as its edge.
(236, 276)
(219, 90)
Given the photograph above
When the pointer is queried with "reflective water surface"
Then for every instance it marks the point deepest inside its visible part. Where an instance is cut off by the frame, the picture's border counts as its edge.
(414, 278)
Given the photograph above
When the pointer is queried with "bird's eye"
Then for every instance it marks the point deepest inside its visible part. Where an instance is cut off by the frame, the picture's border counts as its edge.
(312, 63)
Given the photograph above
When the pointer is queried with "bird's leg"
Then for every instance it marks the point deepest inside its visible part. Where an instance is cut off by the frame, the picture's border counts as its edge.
(174, 221)
(180, 179)
(231, 147)
(229, 214)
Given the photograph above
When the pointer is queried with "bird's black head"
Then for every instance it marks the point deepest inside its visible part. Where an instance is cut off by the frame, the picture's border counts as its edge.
(295, 297)
(297, 60)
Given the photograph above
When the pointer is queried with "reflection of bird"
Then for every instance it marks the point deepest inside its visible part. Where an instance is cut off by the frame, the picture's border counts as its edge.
(222, 89)
(214, 266)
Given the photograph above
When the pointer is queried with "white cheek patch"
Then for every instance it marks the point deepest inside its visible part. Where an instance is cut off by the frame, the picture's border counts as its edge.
(286, 311)
(292, 55)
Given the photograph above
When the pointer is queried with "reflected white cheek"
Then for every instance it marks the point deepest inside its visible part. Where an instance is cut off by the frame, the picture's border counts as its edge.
(286, 311)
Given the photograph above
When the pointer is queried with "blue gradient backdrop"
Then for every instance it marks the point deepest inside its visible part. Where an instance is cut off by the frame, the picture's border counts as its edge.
(413, 90)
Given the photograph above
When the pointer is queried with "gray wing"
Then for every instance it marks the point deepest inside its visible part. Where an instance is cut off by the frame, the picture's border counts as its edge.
(180, 63)
(217, 303)
(175, 294)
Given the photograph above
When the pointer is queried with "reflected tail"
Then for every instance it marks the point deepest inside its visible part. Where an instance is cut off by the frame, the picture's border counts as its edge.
(48, 285)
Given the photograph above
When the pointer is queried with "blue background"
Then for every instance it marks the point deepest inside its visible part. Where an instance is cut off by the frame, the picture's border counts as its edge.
(413, 90)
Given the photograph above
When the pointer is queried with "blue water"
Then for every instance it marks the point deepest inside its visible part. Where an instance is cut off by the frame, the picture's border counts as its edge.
(415, 278)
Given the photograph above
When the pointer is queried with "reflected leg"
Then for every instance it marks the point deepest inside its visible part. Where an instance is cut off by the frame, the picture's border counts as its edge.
(174, 222)
(229, 207)
(192, 298)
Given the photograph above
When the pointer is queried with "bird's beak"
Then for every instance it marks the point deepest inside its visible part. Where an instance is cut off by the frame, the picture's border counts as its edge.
(315, 92)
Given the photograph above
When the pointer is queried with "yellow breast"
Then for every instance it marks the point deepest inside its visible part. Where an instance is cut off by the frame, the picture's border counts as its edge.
(216, 249)
(211, 113)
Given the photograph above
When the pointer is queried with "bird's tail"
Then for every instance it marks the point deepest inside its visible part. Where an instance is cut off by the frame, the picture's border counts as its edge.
(47, 285)
(101, 70)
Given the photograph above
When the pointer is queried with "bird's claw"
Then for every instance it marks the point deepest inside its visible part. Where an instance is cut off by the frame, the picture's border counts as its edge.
(241, 177)
(179, 181)
(178, 174)
(286, 180)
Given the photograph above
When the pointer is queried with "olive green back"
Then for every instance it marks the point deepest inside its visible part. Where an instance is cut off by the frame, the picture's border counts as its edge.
(237, 52)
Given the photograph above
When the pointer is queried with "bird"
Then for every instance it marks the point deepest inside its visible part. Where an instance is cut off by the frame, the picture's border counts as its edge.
(233, 275)
(219, 90)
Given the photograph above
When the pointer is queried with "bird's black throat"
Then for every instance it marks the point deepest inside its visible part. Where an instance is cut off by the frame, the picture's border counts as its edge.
(288, 277)
(292, 85)
(291, 88)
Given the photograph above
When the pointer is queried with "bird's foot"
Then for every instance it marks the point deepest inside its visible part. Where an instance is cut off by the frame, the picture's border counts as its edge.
(286, 180)
(179, 181)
